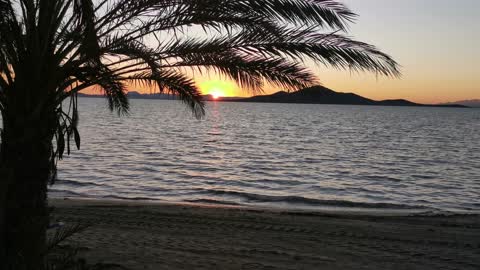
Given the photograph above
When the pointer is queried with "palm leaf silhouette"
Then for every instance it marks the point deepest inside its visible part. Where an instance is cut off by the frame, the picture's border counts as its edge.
(52, 50)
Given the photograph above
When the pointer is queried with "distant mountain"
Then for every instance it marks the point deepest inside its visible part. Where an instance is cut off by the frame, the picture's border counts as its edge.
(323, 95)
(88, 95)
(311, 95)
(135, 95)
(475, 103)
(211, 98)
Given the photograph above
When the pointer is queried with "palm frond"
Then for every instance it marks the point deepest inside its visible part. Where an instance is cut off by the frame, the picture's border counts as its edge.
(173, 82)
(116, 94)
(323, 13)
(89, 48)
(330, 49)
(250, 71)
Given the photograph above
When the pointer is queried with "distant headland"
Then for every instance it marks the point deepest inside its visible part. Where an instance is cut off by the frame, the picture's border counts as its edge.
(311, 95)
(322, 95)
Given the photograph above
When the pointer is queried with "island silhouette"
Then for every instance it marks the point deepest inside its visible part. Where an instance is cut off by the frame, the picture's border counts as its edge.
(322, 95)
(311, 95)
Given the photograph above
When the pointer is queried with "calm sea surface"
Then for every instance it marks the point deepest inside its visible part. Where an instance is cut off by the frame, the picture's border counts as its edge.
(280, 155)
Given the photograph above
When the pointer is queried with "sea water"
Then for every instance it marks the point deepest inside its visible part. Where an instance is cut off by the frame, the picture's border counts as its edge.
(278, 155)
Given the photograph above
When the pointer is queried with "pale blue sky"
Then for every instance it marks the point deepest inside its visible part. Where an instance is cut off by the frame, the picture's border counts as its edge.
(436, 42)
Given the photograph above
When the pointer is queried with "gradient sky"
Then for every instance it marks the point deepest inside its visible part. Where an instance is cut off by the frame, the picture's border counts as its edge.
(435, 41)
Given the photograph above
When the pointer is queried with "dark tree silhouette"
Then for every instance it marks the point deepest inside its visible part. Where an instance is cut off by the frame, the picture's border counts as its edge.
(52, 49)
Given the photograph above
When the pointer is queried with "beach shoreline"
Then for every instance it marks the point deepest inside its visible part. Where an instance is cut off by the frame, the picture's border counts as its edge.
(326, 210)
(152, 235)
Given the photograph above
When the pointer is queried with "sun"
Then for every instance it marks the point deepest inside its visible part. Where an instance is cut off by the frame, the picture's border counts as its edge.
(217, 88)
(216, 93)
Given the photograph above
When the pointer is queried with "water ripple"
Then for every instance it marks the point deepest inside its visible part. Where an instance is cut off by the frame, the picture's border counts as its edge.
(278, 154)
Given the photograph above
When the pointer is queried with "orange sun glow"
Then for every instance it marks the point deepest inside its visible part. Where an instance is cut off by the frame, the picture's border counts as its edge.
(217, 88)
(216, 93)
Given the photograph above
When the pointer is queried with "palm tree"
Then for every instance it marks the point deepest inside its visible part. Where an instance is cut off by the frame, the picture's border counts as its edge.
(50, 50)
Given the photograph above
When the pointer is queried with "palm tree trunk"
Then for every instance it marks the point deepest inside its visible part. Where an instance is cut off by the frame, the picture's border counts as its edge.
(4, 179)
(25, 163)
(3, 193)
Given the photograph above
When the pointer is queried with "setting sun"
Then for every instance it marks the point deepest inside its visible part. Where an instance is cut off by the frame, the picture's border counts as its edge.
(217, 88)
(216, 93)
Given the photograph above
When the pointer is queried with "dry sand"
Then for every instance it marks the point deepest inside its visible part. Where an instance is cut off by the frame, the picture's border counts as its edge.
(163, 236)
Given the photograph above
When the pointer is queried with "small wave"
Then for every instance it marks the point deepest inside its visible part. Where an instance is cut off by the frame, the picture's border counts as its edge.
(116, 197)
(65, 193)
(384, 178)
(211, 201)
(250, 197)
(423, 176)
(77, 183)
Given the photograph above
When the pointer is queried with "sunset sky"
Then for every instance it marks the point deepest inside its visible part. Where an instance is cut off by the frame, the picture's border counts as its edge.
(435, 41)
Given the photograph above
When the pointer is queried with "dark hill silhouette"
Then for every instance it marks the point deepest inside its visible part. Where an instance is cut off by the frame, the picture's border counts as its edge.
(138, 95)
(134, 95)
(311, 95)
(322, 95)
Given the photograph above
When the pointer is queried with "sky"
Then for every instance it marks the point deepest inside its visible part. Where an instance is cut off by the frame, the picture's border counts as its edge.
(435, 41)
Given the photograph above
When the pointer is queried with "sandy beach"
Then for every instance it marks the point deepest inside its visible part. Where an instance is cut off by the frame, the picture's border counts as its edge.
(165, 236)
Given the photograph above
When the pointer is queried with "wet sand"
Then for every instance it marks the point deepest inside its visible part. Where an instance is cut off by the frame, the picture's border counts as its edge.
(164, 236)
